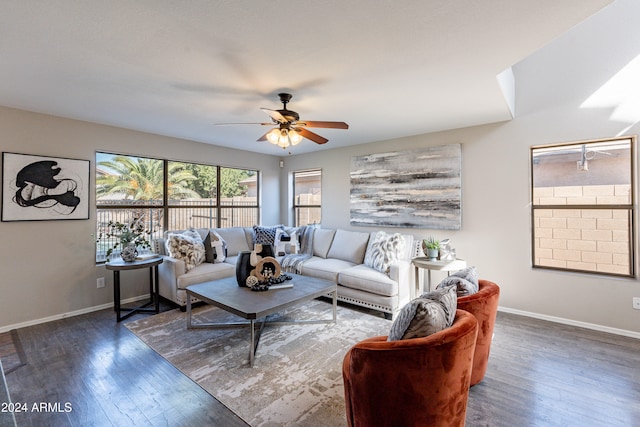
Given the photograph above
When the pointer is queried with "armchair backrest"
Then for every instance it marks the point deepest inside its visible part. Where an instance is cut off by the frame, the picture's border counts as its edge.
(484, 306)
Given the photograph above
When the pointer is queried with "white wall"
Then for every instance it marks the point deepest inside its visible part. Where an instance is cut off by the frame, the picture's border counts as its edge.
(551, 85)
(496, 227)
(48, 267)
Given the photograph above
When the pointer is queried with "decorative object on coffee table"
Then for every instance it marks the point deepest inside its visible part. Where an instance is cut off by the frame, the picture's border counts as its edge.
(243, 268)
(256, 270)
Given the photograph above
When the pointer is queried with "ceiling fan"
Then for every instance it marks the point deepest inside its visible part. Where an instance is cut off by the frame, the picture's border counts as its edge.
(290, 129)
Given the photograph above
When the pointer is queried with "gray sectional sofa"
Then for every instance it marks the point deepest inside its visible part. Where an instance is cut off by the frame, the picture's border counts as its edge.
(337, 255)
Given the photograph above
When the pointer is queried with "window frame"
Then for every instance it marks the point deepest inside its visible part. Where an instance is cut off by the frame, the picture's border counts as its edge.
(629, 208)
(297, 206)
(165, 207)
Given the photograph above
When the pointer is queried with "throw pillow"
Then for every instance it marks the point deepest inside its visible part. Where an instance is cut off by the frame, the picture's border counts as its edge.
(265, 235)
(285, 243)
(425, 315)
(384, 250)
(209, 254)
(219, 247)
(466, 281)
(186, 246)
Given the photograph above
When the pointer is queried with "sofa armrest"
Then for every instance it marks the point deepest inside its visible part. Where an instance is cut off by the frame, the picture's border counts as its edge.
(402, 273)
(168, 273)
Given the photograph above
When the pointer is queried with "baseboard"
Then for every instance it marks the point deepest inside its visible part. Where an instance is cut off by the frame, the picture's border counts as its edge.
(555, 319)
(570, 322)
(70, 314)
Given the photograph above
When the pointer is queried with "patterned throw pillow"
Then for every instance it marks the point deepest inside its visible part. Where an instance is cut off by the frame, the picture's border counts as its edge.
(186, 246)
(425, 315)
(219, 247)
(265, 235)
(384, 251)
(285, 243)
(466, 281)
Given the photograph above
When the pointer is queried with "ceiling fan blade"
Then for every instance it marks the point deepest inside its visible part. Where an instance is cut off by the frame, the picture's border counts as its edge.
(317, 124)
(233, 124)
(275, 115)
(264, 137)
(312, 136)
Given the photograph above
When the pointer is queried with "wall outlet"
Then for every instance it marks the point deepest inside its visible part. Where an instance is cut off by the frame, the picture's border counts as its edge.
(636, 303)
(100, 283)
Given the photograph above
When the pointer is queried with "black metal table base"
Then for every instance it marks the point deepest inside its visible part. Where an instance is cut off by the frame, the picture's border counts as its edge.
(153, 292)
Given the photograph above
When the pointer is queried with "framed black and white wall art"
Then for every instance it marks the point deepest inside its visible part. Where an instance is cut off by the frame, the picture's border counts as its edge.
(40, 188)
(415, 188)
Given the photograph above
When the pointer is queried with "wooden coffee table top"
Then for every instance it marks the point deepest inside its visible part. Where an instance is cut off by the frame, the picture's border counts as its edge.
(226, 294)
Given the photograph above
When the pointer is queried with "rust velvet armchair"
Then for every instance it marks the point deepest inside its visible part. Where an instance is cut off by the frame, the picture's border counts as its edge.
(413, 382)
(484, 306)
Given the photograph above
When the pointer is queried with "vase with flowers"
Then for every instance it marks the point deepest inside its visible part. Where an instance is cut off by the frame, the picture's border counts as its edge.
(126, 236)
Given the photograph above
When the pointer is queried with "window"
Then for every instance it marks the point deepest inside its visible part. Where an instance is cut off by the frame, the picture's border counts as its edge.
(307, 197)
(170, 195)
(583, 206)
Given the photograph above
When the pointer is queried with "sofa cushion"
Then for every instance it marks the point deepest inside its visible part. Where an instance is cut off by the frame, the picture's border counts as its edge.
(204, 273)
(327, 269)
(187, 247)
(349, 246)
(383, 250)
(322, 238)
(367, 279)
(235, 238)
(425, 315)
(466, 281)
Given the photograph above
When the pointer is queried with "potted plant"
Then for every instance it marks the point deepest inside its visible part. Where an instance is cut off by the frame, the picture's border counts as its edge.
(431, 247)
(129, 237)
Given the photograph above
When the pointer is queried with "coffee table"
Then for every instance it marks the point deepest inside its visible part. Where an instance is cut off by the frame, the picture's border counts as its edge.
(253, 306)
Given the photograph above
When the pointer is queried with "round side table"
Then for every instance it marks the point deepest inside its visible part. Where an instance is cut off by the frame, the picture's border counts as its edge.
(425, 263)
(119, 265)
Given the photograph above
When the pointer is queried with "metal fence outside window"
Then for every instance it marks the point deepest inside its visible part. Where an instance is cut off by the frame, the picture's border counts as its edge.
(235, 212)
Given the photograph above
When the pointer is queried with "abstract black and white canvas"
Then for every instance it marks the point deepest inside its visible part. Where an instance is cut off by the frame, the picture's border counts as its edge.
(40, 188)
(415, 188)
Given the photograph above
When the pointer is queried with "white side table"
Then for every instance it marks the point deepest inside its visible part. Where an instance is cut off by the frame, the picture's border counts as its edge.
(425, 263)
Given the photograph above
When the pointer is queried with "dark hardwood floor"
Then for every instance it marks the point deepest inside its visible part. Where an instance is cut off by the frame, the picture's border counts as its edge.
(109, 377)
(540, 374)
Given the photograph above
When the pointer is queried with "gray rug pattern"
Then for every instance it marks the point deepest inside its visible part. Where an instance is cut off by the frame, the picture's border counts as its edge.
(297, 375)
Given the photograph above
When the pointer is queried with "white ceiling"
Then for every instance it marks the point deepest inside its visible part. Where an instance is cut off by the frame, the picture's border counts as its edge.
(175, 67)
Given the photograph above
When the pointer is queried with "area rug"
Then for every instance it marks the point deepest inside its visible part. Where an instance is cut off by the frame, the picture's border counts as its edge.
(297, 374)
(11, 352)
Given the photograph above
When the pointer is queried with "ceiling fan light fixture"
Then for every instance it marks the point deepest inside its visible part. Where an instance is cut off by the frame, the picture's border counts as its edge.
(283, 141)
(273, 136)
(294, 137)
